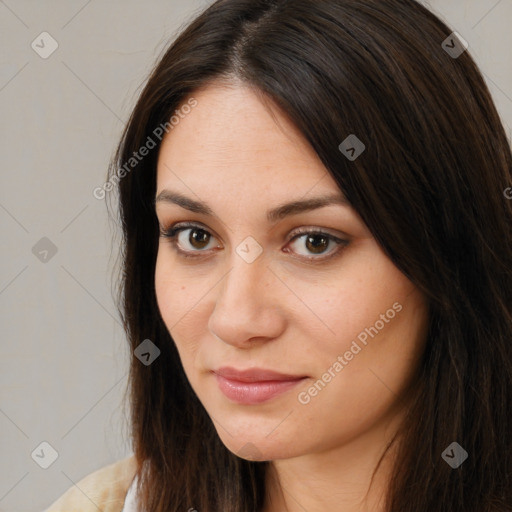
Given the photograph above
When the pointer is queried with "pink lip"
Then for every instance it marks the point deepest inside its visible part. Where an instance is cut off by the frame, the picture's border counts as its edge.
(255, 385)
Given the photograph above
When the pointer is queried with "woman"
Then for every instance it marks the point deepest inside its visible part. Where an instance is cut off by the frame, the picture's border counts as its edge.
(317, 268)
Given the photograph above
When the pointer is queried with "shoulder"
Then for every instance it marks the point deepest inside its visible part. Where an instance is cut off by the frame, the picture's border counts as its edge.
(105, 489)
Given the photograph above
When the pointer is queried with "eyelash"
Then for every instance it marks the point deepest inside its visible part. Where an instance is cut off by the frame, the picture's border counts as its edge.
(172, 232)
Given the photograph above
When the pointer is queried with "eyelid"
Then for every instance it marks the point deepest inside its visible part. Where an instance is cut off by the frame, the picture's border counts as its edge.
(174, 229)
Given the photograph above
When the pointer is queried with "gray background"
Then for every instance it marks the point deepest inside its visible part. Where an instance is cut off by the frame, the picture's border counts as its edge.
(64, 358)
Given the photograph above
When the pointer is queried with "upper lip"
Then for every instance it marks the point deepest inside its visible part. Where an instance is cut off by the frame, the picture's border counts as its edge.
(254, 374)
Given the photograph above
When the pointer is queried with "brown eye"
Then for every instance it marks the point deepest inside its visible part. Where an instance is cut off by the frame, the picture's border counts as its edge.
(196, 241)
(198, 238)
(308, 243)
(317, 243)
(312, 241)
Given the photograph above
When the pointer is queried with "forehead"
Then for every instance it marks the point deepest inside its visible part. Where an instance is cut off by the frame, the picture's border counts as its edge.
(232, 140)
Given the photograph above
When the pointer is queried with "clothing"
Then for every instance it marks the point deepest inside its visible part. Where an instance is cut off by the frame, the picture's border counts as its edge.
(130, 503)
(106, 489)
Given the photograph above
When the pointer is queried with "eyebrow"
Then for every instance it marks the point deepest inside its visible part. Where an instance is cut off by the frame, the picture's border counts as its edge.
(273, 215)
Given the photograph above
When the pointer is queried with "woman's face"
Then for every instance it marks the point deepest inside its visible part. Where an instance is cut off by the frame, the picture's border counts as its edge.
(245, 291)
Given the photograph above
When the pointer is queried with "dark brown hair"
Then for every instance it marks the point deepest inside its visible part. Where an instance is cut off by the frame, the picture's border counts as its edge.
(429, 186)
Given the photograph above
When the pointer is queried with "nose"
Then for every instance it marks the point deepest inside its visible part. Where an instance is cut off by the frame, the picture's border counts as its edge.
(248, 304)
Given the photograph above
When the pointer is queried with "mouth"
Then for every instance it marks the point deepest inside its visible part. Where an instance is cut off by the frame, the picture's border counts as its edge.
(255, 385)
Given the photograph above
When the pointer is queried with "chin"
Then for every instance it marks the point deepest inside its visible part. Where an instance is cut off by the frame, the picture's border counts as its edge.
(258, 449)
(255, 443)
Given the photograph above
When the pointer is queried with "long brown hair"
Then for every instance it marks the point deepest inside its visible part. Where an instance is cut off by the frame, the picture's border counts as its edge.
(429, 186)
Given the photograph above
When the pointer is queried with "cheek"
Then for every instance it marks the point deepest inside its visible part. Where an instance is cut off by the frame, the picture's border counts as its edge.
(338, 307)
(176, 299)
(374, 318)
(357, 384)
(165, 288)
(176, 288)
(381, 352)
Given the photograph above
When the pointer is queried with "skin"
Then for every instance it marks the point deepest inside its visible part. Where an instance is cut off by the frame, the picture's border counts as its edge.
(282, 311)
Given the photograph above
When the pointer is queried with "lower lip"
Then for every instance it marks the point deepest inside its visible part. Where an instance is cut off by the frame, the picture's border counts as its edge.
(248, 393)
